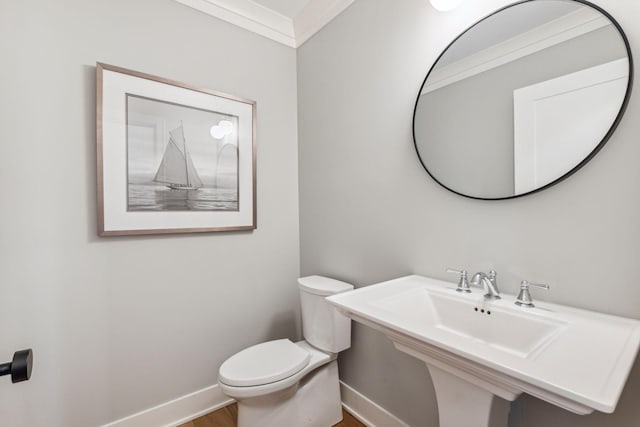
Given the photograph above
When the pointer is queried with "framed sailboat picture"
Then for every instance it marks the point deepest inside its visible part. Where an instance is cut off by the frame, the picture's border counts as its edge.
(172, 158)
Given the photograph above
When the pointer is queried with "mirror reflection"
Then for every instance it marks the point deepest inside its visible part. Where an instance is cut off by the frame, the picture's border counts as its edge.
(522, 99)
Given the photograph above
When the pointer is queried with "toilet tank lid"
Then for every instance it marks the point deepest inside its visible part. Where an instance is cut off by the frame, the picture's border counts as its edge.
(320, 285)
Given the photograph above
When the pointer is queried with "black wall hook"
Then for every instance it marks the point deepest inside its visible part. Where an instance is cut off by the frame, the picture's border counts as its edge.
(20, 367)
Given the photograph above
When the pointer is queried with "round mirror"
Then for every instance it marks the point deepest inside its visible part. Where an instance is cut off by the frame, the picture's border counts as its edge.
(523, 98)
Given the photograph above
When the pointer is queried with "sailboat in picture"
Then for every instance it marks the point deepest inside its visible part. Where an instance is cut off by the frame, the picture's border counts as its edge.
(176, 169)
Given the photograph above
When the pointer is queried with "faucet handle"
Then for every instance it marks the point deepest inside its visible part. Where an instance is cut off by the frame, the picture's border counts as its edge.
(524, 297)
(493, 277)
(463, 284)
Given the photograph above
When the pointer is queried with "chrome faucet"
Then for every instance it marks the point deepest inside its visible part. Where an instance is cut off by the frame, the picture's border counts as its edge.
(463, 284)
(488, 282)
(524, 297)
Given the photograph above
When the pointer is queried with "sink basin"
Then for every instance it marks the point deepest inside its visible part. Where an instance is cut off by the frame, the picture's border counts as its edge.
(470, 319)
(576, 359)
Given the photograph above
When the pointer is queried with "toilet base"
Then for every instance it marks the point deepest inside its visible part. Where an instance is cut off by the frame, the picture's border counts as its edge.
(313, 402)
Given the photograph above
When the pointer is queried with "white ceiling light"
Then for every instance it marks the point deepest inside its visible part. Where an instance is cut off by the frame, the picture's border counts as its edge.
(217, 132)
(222, 129)
(445, 5)
(226, 126)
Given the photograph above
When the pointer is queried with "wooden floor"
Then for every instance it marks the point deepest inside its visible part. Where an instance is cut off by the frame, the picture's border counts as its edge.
(227, 416)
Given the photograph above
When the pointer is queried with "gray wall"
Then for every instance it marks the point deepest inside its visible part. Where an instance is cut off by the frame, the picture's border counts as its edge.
(122, 324)
(369, 212)
(478, 158)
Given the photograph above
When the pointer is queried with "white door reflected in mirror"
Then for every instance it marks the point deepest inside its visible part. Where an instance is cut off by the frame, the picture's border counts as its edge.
(558, 122)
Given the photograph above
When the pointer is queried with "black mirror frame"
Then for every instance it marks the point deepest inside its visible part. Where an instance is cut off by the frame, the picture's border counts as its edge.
(587, 158)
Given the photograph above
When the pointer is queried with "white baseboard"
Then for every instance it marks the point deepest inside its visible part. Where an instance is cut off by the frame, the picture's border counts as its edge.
(367, 411)
(177, 411)
(209, 399)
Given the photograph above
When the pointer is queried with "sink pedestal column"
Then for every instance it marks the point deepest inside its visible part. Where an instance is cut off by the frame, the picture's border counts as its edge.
(468, 395)
(463, 404)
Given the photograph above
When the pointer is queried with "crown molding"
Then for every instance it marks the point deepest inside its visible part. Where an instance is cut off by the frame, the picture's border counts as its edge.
(315, 15)
(261, 20)
(250, 16)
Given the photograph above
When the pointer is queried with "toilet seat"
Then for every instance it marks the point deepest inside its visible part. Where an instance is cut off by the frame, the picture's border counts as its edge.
(264, 363)
(318, 359)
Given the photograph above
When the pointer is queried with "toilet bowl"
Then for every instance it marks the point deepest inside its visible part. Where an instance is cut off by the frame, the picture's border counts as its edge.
(284, 383)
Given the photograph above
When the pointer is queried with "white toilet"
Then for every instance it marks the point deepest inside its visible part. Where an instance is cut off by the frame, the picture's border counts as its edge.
(281, 383)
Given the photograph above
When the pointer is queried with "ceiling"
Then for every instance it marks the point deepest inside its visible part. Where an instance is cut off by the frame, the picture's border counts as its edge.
(290, 22)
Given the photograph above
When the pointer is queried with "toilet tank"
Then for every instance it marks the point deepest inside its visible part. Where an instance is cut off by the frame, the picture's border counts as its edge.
(322, 325)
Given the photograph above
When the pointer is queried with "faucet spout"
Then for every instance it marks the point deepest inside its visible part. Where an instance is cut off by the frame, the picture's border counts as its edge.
(488, 282)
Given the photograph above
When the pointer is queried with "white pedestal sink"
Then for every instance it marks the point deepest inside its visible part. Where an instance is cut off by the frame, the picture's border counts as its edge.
(482, 354)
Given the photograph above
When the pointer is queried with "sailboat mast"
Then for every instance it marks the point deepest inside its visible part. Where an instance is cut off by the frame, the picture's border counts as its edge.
(184, 145)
